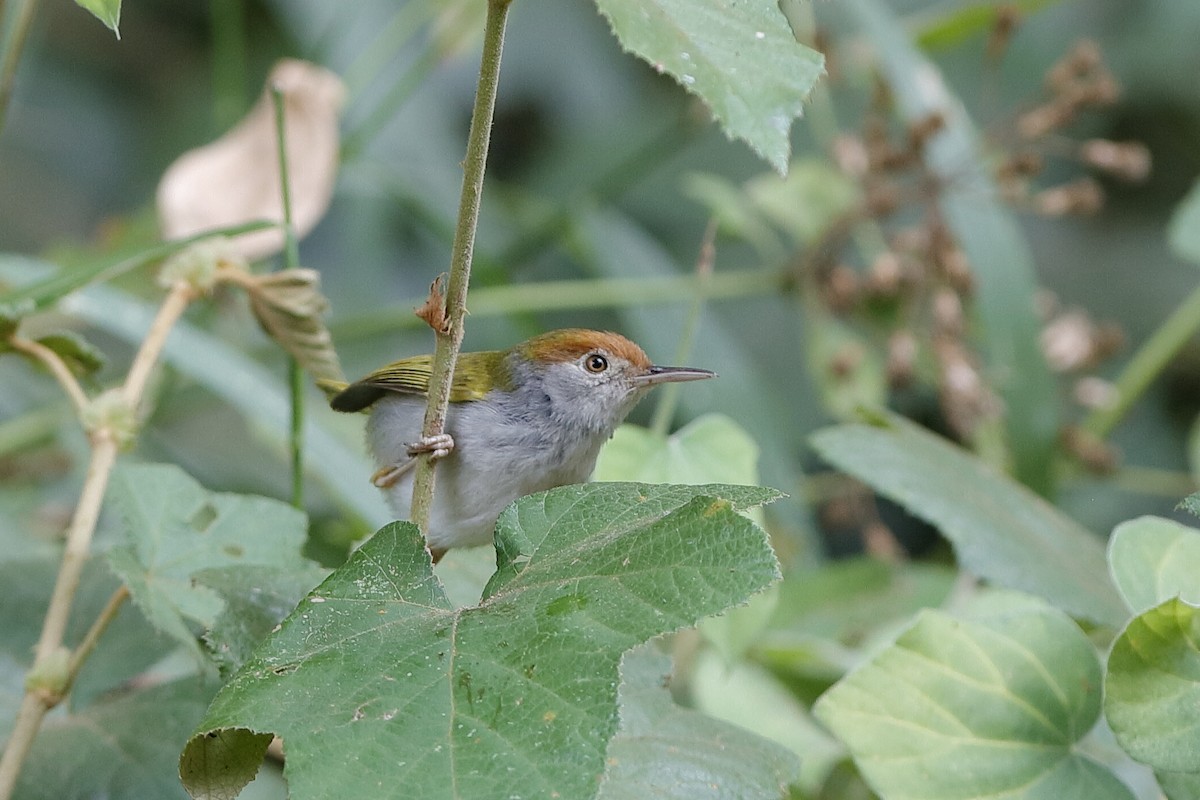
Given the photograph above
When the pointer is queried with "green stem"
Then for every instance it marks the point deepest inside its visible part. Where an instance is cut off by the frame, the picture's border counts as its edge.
(449, 342)
(1147, 363)
(229, 62)
(668, 400)
(12, 54)
(291, 260)
(576, 294)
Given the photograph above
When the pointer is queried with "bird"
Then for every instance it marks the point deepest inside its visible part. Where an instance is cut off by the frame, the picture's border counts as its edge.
(520, 421)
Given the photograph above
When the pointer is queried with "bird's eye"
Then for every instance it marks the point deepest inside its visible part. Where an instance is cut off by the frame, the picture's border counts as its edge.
(595, 363)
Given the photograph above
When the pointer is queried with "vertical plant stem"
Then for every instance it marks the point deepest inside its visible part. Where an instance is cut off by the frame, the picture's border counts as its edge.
(448, 343)
(291, 260)
(23, 20)
(1147, 363)
(668, 401)
(105, 444)
(229, 61)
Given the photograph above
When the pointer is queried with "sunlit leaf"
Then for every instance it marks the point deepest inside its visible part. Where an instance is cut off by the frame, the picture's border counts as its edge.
(990, 707)
(739, 57)
(1152, 688)
(378, 681)
(1154, 559)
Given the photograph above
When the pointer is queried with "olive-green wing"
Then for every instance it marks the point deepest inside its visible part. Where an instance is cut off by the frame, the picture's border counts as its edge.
(406, 376)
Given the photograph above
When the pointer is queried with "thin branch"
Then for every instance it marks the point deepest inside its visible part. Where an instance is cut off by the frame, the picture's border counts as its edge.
(291, 260)
(58, 368)
(175, 303)
(12, 54)
(105, 444)
(1147, 364)
(448, 344)
(99, 626)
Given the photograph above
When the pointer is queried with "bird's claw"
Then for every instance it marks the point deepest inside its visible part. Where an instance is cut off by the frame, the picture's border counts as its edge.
(438, 446)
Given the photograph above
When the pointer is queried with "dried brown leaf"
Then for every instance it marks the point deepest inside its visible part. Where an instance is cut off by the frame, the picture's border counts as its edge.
(433, 310)
(236, 178)
(289, 306)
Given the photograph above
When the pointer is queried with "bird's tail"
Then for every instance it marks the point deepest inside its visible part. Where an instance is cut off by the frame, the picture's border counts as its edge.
(330, 387)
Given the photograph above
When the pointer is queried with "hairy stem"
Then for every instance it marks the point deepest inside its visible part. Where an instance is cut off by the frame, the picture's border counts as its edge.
(105, 444)
(448, 343)
(1147, 363)
(57, 367)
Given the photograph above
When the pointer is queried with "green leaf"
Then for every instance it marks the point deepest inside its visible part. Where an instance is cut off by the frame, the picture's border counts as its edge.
(991, 239)
(970, 709)
(1152, 688)
(739, 57)
(377, 681)
(749, 696)
(1184, 230)
(174, 529)
(256, 600)
(78, 353)
(11, 315)
(666, 752)
(1180, 785)
(709, 449)
(1153, 559)
(1000, 530)
(123, 748)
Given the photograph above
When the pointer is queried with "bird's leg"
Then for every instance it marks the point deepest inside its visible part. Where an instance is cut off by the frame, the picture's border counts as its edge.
(438, 446)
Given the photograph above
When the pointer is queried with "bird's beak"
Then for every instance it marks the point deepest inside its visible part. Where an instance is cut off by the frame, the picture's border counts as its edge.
(656, 375)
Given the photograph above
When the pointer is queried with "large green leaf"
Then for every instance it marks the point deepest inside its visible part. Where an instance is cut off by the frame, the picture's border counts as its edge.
(381, 688)
(123, 748)
(666, 752)
(174, 529)
(738, 56)
(986, 708)
(709, 449)
(990, 237)
(1000, 530)
(1153, 559)
(1152, 689)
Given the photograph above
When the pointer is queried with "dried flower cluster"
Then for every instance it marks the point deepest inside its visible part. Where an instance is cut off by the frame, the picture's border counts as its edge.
(916, 292)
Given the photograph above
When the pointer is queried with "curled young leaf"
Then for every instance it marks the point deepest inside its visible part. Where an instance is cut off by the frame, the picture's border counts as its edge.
(289, 305)
(80, 355)
(236, 178)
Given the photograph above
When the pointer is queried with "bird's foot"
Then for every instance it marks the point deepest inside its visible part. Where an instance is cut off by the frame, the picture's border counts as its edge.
(438, 446)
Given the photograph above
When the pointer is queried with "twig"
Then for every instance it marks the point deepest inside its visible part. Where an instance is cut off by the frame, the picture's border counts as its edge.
(1147, 363)
(105, 441)
(99, 626)
(57, 367)
(291, 260)
(12, 54)
(446, 350)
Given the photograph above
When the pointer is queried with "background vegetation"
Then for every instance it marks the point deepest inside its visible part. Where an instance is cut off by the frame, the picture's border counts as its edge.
(973, 260)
